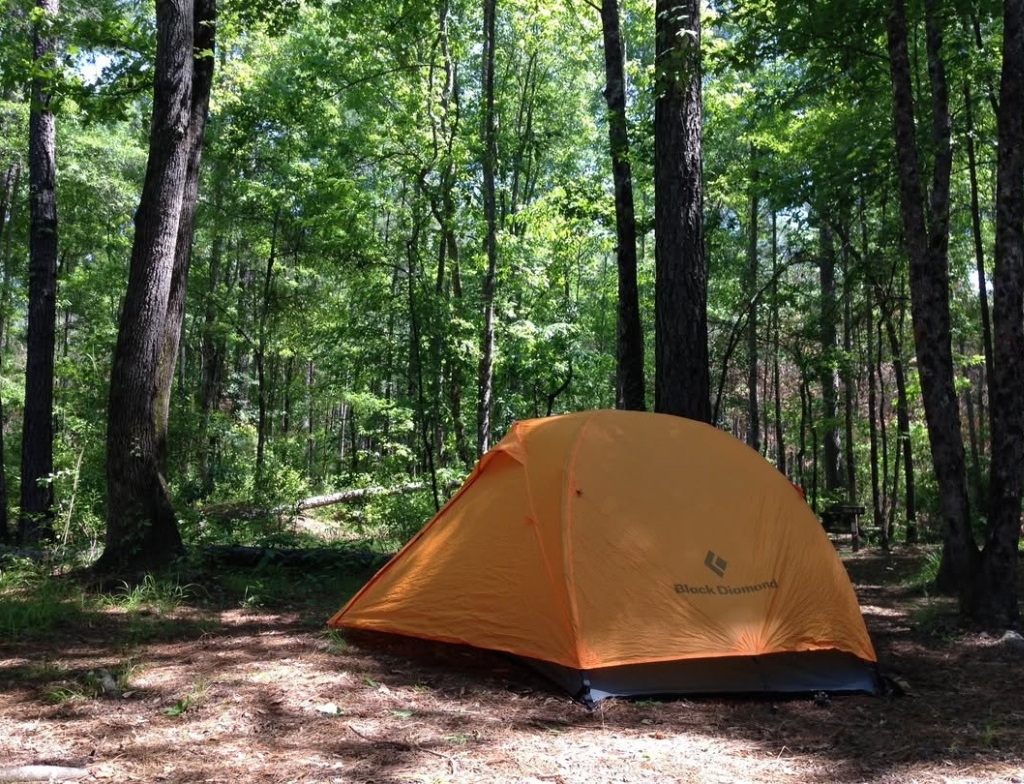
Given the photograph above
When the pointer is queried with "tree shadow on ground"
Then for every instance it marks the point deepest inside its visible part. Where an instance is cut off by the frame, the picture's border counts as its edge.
(249, 694)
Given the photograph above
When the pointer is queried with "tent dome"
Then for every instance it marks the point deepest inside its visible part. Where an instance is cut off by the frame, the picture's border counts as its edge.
(630, 553)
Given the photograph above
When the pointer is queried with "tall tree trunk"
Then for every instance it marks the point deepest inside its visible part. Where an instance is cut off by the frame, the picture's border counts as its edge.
(202, 82)
(801, 451)
(212, 353)
(874, 415)
(753, 420)
(630, 391)
(261, 357)
(972, 438)
(6, 212)
(142, 532)
(831, 451)
(416, 357)
(780, 443)
(849, 381)
(929, 286)
(979, 243)
(37, 430)
(996, 597)
(682, 377)
(904, 449)
(485, 385)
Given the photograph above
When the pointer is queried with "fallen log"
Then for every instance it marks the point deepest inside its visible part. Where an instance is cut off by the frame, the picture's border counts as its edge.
(344, 496)
(247, 557)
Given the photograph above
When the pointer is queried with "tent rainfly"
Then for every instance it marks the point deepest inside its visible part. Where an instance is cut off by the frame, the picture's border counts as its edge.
(627, 553)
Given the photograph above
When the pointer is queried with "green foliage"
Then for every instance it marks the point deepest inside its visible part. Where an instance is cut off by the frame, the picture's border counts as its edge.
(178, 708)
(937, 617)
(33, 601)
(63, 686)
(928, 570)
(389, 521)
(336, 642)
(272, 587)
(154, 594)
(338, 159)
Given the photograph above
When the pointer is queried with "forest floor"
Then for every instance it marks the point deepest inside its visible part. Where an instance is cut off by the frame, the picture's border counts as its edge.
(223, 685)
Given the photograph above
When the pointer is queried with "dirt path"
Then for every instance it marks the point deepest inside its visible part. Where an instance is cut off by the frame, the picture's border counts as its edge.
(233, 695)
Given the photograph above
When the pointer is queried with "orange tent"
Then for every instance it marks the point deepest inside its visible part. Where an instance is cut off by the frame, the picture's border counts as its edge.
(630, 553)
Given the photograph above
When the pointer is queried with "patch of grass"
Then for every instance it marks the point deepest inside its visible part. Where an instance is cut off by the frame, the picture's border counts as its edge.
(188, 702)
(936, 618)
(928, 571)
(153, 593)
(93, 684)
(178, 708)
(336, 642)
(647, 703)
(990, 736)
(278, 587)
(34, 601)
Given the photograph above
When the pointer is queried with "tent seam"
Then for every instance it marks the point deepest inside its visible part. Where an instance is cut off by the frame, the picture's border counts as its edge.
(475, 474)
(567, 549)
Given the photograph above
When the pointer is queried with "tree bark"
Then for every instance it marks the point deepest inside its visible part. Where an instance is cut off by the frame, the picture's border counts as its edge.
(979, 244)
(831, 448)
(780, 443)
(905, 448)
(202, 83)
(996, 597)
(753, 408)
(929, 287)
(263, 339)
(973, 447)
(485, 385)
(6, 198)
(849, 381)
(142, 532)
(682, 377)
(873, 419)
(630, 387)
(37, 430)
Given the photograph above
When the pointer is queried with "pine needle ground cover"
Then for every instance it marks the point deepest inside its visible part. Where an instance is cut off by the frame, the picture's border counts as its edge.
(235, 679)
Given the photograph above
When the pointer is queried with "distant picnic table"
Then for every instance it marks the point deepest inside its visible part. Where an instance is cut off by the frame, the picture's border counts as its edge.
(844, 519)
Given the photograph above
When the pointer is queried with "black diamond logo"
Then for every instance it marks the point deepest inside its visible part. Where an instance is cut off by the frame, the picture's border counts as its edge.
(715, 564)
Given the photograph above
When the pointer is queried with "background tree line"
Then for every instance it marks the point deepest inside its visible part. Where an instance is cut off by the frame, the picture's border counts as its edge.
(266, 249)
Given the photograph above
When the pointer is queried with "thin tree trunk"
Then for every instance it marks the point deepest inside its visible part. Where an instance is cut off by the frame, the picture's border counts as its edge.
(37, 429)
(972, 439)
(485, 386)
(212, 353)
(929, 287)
(261, 358)
(801, 452)
(780, 442)
(979, 243)
(416, 358)
(202, 82)
(682, 376)
(831, 451)
(7, 198)
(888, 501)
(630, 388)
(996, 597)
(753, 407)
(903, 429)
(815, 495)
(849, 380)
(873, 419)
(311, 424)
